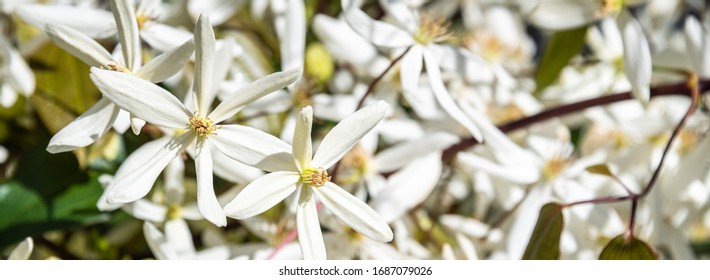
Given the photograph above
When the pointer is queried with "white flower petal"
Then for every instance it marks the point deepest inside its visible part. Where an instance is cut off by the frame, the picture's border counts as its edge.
(164, 37)
(408, 187)
(206, 198)
(204, 64)
(379, 33)
(162, 250)
(138, 183)
(142, 98)
(291, 29)
(347, 133)
(146, 210)
(262, 194)
(79, 45)
(400, 155)
(343, 43)
(352, 211)
(167, 64)
(132, 162)
(21, 76)
(254, 147)
(178, 235)
(637, 60)
(94, 23)
(23, 250)
(232, 170)
(85, 129)
(302, 146)
(8, 96)
(310, 236)
(563, 14)
(411, 69)
(697, 41)
(219, 10)
(125, 18)
(445, 100)
(252, 92)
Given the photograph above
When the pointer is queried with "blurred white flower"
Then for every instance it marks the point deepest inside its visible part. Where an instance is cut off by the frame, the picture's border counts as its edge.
(23, 250)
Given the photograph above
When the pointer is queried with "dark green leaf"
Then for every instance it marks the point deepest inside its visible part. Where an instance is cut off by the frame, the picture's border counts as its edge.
(545, 241)
(559, 50)
(631, 248)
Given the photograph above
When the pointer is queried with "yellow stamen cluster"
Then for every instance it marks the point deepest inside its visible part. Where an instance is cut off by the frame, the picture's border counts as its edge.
(432, 29)
(315, 177)
(610, 7)
(173, 211)
(554, 167)
(202, 126)
(113, 66)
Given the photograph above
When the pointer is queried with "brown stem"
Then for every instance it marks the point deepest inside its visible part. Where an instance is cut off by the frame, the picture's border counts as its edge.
(371, 86)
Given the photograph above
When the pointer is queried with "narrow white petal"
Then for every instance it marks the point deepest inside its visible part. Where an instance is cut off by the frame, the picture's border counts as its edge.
(252, 92)
(142, 98)
(697, 41)
(310, 236)
(355, 213)
(400, 155)
(444, 98)
(347, 133)
(167, 64)
(342, 42)
(204, 64)
(85, 129)
(637, 60)
(206, 198)
(379, 33)
(164, 37)
(94, 23)
(79, 45)
(563, 14)
(132, 162)
(402, 12)
(292, 35)
(408, 187)
(219, 10)
(158, 244)
(232, 170)
(124, 15)
(146, 210)
(178, 234)
(254, 147)
(138, 183)
(302, 146)
(411, 69)
(23, 250)
(262, 194)
(122, 122)
(21, 76)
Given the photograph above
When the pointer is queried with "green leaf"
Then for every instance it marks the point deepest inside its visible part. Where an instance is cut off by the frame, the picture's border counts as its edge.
(20, 205)
(545, 241)
(600, 169)
(559, 50)
(628, 248)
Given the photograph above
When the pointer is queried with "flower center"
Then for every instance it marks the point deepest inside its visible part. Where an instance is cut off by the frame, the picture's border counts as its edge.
(432, 29)
(113, 66)
(315, 177)
(202, 126)
(554, 167)
(173, 211)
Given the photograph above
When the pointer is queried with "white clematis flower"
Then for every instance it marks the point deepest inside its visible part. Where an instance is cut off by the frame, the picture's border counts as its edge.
(98, 119)
(23, 251)
(157, 106)
(307, 175)
(420, 35)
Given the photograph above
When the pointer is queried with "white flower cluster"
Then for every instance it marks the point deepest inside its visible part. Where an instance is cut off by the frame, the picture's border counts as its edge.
(395, 117)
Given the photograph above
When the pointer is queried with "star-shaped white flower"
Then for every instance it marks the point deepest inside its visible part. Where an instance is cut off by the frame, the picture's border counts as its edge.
(420, 34)
(307, 174)
(98, 119)
(202, 127)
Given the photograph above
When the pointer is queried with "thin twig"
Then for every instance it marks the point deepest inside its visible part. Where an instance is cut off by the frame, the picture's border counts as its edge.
(373, 83)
